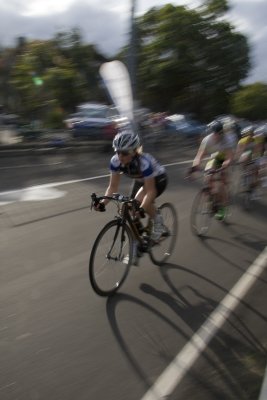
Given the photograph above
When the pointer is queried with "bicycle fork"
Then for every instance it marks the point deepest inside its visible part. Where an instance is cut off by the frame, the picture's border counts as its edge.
(122, 240)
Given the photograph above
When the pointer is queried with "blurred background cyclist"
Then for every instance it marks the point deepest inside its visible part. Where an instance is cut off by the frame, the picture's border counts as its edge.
(250, 150)
(220, 147)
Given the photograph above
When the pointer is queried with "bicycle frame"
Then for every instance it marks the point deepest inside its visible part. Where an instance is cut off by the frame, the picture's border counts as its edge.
(213, 184)
(212, 178)
(248, 175)
(126, 213)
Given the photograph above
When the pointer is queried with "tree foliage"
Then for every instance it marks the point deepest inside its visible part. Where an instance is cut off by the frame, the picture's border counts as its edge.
(188, 61)
(62, 69)
(250, 102)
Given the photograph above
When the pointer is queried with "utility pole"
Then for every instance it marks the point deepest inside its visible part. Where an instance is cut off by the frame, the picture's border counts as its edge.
(132, 50)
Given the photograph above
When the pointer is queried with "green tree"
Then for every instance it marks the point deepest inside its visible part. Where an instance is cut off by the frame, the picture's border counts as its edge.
(85, 59)
(60, 71)
(214, 8)
(250, 102)
(189, 61)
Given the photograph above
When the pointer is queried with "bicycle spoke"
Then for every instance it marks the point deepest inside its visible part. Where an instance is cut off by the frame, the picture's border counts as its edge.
(201, 213)
(162, 250)
(110, 258)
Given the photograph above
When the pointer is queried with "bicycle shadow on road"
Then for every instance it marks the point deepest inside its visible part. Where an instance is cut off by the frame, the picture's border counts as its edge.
(164, 271)
(257, 209)
(232, 367)
(249, 237)
(230, 352)
(244, 241)
(111, 307)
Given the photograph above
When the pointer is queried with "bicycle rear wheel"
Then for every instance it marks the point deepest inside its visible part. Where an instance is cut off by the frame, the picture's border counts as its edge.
(201, 213)
(161, 251)
(247, 188)
(110, 258)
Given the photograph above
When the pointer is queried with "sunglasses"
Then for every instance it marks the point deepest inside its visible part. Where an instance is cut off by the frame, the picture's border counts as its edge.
(124, 152)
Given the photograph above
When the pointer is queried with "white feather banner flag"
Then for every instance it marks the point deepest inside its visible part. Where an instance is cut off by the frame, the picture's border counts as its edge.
(117, 81)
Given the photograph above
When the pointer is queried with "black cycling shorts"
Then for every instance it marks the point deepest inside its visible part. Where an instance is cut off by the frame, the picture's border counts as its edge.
(161, 184)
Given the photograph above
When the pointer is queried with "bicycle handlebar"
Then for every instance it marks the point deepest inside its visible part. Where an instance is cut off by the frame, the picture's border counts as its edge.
(214, 171)
(115, 197)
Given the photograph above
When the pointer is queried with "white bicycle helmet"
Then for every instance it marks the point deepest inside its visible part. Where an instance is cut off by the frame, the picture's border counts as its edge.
(260, 131)
(247, 131)
(126, 140)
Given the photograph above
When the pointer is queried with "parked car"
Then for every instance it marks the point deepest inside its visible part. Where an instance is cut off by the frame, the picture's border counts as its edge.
(94, 121)
(185, 126)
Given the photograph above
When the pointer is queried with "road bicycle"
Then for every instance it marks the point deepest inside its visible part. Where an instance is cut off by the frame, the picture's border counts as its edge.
(248, 184)
(207, 203)
(124, 239)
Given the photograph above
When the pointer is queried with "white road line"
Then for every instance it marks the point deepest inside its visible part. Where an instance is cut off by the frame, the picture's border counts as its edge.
(55, 184)
(51, 185)
(173, 374)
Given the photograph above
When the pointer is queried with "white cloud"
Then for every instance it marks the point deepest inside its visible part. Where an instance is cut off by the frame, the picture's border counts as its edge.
(249, 17)
(48, 7)
(106, 23)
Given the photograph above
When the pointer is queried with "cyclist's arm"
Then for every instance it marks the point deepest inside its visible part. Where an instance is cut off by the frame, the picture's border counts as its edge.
(199, 156)
(114, 181)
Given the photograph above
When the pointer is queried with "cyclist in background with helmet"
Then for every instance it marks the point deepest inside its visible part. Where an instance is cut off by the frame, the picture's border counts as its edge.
(250, 149)
(220, 148)
(150, 179)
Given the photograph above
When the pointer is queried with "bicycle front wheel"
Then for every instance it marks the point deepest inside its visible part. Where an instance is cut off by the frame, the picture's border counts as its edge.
(161, 251)
(246, 192)
(111, 257)
(201, 213)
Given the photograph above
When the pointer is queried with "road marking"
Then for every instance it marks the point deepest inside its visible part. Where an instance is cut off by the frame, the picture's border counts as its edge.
(173, 374)
(31, 165)
(16, 194)
(39, 192)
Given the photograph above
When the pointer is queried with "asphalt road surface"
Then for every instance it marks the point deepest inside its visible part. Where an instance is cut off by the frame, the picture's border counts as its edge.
(60, 341)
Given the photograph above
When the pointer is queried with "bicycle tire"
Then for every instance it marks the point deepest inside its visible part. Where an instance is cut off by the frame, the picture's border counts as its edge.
(161, 251)
(246, 193)
(246, 200)
(201, 213)
(110, 259)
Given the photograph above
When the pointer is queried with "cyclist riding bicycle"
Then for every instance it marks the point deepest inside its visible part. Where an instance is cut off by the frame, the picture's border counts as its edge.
(220, 149)
(150, 179)
(250, 149)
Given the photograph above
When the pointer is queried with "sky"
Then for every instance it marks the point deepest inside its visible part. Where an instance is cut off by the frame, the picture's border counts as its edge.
(106, 23)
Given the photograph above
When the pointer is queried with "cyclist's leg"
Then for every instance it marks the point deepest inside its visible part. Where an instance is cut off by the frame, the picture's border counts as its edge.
(208, 178)
(223, 195)
(224, 188)
(140, 193)
(256, 165)
(161, 184)
(159, 228)
(256, 182)
(263, 170)
(137, 185)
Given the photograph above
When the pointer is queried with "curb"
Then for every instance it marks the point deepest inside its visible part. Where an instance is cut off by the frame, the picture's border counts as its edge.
(47, 148)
